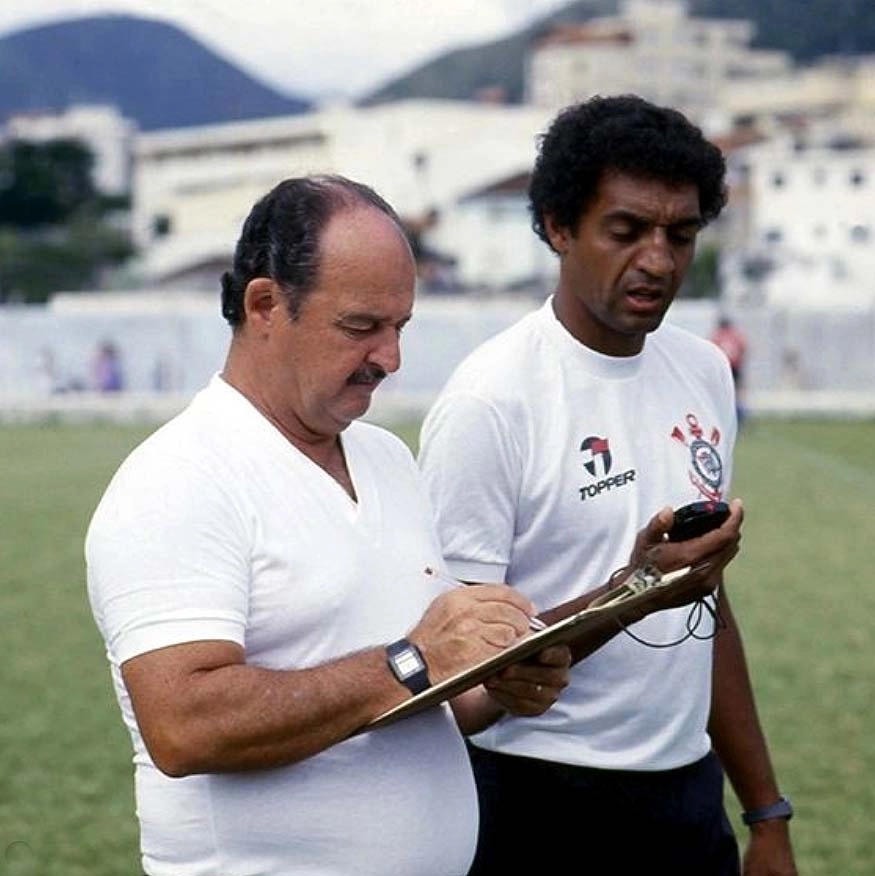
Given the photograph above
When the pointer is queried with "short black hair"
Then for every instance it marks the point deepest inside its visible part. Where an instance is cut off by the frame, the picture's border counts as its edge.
(627, 134)
(281, 235)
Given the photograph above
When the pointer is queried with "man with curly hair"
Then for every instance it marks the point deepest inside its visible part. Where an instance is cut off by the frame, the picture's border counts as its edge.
(545, 452)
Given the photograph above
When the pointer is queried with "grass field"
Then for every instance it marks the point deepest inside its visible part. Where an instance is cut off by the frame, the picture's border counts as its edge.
(799, 588)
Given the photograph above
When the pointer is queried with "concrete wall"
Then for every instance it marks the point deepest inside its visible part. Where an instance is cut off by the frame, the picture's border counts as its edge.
(170, 346)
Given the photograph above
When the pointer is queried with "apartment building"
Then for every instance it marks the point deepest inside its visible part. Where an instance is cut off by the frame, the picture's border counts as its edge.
(194, 186)
(810, 238)
(652, 48)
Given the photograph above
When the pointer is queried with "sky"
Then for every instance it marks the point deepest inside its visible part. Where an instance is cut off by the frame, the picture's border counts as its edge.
(316, 48)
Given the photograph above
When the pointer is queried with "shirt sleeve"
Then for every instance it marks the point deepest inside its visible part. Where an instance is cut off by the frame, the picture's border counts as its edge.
(167, 559)
(472, 469)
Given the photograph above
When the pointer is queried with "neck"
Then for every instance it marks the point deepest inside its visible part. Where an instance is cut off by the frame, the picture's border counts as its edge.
(325, 450)
(584, 330)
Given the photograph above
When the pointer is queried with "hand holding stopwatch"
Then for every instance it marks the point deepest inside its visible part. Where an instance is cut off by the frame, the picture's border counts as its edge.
(696, 519)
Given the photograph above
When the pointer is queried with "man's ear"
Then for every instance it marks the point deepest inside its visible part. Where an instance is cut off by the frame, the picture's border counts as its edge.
(260, 300)
(558, 235)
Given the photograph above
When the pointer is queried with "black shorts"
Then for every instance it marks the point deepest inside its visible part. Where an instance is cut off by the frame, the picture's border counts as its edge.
(540, 817)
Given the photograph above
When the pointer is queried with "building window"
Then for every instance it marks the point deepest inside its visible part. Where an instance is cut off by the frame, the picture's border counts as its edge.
(778, 180)
(858, 178)
(860, 234)
(773, 235)
(162, 225)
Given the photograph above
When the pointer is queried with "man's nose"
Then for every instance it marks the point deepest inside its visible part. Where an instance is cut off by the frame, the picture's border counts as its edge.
(656, 256)
(387, 352)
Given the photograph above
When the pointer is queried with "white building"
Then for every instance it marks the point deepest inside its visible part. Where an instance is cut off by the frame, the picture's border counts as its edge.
(835, 97)
(704, 67)
(811, 227)
(508, 255)
(654, 49)
(108, 134)
(194, 186)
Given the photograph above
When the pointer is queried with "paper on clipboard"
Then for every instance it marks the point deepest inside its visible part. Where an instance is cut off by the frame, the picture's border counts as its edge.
(640, 588)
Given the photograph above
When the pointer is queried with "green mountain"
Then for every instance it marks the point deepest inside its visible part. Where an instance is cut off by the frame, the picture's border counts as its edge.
(807, 29)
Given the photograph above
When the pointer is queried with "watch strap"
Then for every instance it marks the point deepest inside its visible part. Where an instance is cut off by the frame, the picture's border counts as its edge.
(782, 808)
(408, 665)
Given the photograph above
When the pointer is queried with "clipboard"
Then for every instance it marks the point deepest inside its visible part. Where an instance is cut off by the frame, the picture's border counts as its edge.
(643, 585)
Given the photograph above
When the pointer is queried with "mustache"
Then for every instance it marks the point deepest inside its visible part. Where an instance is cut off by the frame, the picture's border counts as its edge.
(367, 375)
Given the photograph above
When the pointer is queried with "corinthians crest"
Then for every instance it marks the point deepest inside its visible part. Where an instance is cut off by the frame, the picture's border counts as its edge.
(706, 466)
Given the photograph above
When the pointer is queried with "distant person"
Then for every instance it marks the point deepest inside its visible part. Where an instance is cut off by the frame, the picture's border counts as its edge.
(792, 374)
(46, 375)
(162, 372)
(258, 571)
(731, 340)
(545, 452)
(107, 368)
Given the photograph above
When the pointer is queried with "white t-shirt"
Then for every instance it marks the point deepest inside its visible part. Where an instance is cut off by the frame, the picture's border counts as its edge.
(544, 459)
(216, 527)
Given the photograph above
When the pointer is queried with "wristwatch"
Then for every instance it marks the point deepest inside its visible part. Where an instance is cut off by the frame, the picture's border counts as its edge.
(407, 663)
(781, 809)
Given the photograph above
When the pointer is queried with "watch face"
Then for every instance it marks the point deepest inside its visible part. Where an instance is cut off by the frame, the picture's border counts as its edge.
(408, 663)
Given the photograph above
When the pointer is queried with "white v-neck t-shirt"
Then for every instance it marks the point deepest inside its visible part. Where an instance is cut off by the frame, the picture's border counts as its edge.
(216, 527)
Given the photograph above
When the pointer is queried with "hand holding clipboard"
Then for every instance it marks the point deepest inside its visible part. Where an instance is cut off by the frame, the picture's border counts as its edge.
(643, 590)
(642, 585)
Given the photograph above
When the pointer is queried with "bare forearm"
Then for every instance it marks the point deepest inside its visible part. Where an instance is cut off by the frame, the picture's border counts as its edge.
(734, 726)
(741, 746)
(595, 638)
(240, 717)
(601, 631)
(475, 710)
(202, 708)
(702, 560)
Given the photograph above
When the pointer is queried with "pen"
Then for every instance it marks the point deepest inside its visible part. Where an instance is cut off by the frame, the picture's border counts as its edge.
(535, 623)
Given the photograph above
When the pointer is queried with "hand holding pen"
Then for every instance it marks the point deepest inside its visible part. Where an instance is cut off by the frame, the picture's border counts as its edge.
(535, 623)
(464, 626)
(531, 686)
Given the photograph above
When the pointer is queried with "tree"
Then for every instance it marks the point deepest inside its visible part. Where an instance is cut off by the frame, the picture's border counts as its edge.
(53, 229)
(44, 183)
(703, 277)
